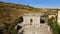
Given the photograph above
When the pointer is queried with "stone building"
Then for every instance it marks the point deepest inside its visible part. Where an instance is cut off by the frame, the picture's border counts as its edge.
(34, 24)
(31, 19)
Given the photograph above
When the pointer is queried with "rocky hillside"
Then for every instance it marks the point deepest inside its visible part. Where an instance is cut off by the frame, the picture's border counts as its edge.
(9, 12)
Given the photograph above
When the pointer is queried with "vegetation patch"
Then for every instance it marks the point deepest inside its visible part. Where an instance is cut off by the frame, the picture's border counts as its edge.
(55, 28)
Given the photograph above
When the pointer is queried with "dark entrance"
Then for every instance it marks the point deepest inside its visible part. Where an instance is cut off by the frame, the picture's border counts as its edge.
(42, 21)
(31, 21)
(19, 27)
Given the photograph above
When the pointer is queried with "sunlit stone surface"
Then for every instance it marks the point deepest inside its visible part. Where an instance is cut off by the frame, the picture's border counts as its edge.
(31, 25)
(58, 18)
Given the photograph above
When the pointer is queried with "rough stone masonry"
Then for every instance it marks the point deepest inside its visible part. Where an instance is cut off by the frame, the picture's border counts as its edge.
(31, 25)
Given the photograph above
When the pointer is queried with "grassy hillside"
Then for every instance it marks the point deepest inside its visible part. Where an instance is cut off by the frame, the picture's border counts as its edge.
(9, 12)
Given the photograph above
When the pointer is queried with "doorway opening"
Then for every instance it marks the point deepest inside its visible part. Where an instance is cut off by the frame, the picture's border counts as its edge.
(42, 21)
(31, 21)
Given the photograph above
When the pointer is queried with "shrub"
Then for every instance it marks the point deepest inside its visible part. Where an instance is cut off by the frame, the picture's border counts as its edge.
(10, 28)
(54, 26)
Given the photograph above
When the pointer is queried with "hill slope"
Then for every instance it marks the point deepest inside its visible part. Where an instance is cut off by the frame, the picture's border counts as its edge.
(9, 12)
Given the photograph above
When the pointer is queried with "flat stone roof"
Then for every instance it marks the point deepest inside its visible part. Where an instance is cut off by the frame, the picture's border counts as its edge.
(31, 14)
(41, 14)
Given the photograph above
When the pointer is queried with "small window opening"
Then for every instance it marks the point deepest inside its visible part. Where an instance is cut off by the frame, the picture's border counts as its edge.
(31, 21)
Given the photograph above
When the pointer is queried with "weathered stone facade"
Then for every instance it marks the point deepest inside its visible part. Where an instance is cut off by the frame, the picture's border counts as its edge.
(31, 25)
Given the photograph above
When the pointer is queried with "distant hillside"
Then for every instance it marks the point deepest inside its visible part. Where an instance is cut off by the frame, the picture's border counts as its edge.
(9, 11)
